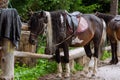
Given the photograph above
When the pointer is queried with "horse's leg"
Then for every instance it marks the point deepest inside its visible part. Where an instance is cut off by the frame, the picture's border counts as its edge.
(66, 59)
(97, 50)
(89, 55)
(58, 60)
(114, 52)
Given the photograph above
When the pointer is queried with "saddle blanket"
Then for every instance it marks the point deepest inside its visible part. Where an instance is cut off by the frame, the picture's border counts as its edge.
(83, 25)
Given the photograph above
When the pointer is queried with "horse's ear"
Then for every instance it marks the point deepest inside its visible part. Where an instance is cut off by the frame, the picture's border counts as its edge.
(42, 14)
(96, 13)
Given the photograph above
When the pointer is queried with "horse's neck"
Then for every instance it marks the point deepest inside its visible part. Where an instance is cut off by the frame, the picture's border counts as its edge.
(106, 17)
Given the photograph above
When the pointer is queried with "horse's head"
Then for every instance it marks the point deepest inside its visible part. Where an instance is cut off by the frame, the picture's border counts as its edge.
(37, 23)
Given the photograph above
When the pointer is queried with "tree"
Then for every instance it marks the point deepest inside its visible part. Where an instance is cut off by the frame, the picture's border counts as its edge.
(114, 7)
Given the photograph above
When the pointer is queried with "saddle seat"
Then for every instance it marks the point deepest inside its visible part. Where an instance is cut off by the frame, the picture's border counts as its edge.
(76, 22)
(72, 19)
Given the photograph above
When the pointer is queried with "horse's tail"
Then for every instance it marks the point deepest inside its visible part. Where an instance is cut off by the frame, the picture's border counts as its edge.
(103, 38)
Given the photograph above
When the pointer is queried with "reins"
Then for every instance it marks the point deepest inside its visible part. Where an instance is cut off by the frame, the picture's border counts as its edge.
(65, 39)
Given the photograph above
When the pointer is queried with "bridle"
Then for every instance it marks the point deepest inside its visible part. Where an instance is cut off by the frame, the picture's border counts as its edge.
(43, 29)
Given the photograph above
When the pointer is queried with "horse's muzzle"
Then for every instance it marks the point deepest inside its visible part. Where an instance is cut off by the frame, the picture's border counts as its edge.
(62, 36)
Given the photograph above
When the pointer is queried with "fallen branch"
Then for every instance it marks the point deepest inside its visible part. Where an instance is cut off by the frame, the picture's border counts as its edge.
(31, 55)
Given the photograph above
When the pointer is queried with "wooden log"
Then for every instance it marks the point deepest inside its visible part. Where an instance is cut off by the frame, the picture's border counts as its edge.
(32, 55)
(7, 60)
(73, 54)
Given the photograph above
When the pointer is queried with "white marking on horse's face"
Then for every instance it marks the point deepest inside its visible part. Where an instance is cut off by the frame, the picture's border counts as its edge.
(61, 17)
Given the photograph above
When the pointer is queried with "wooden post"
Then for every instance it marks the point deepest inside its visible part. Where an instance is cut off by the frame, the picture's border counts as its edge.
(7, 60)
(24, 45)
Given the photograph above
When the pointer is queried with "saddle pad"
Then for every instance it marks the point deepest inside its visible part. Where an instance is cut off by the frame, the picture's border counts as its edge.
(83, 25)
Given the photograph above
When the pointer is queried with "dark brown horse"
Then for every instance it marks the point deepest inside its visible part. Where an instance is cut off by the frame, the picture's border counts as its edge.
(63, 30)
(113, 33)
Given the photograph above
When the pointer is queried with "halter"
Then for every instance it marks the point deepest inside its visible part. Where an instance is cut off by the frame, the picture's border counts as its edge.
(39, 32)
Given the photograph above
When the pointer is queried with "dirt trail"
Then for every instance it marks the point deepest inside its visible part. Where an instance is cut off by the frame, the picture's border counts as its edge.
(105, 72)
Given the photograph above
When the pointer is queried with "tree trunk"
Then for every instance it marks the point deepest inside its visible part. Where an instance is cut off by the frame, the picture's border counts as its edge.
(114, 7)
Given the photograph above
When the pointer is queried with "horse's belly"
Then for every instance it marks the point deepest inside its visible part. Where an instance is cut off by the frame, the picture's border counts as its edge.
(82, 38)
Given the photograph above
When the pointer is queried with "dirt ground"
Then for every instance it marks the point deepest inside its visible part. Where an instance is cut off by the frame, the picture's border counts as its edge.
(104, 72)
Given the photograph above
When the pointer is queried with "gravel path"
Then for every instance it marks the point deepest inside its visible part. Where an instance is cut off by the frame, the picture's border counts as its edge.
(105, 72)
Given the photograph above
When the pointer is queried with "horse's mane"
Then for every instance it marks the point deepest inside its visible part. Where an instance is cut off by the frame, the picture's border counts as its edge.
(56, 22)
(106, 17)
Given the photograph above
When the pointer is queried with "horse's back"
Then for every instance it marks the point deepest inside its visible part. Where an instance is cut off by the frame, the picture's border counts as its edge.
(93, 21)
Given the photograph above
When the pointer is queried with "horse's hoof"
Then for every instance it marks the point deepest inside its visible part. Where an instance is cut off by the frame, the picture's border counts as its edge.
(89, 75)
(113, 62)
(73, 71)
(67, 75)
(59, 75)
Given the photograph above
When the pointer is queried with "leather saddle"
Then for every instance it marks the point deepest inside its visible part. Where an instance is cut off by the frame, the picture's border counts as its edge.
(72, 19)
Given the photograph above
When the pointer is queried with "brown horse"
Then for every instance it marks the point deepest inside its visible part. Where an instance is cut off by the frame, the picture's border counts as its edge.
(113, 33)
(63, 30)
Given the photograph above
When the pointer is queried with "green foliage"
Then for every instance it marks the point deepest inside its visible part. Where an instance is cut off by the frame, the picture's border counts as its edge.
(43, 67)
(89, 6)
(78, 67)
(41, 44)
(106, 55)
